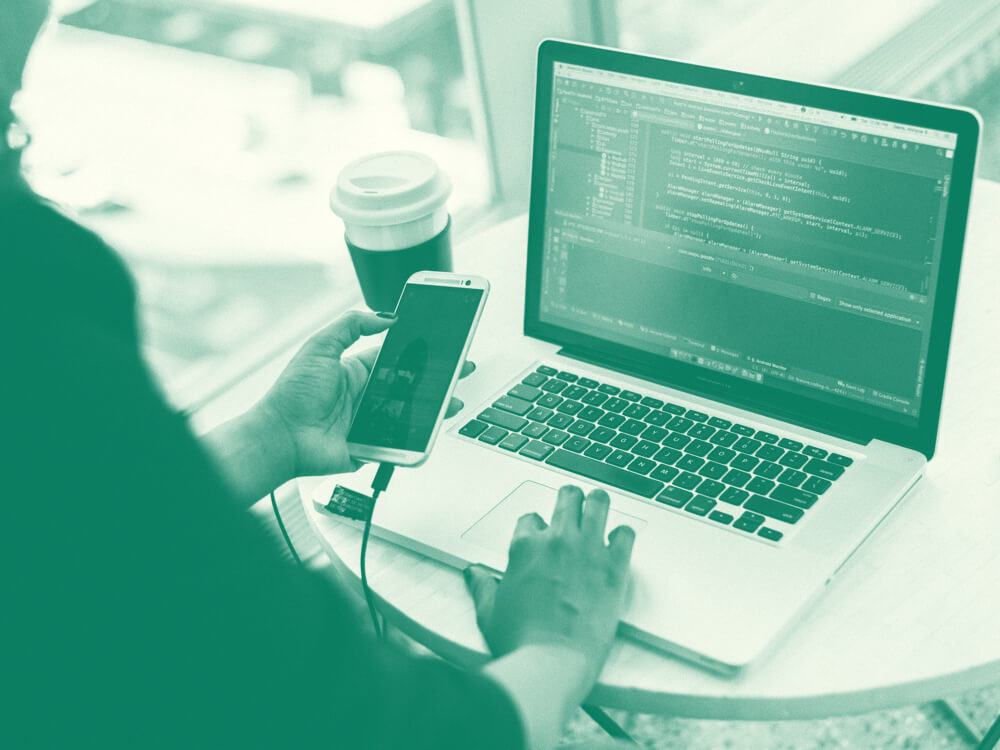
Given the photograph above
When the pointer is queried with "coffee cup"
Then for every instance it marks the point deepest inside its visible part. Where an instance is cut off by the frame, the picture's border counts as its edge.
(395, 221)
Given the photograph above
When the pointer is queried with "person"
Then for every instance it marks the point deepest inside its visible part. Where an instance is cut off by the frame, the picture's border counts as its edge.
(143, 607)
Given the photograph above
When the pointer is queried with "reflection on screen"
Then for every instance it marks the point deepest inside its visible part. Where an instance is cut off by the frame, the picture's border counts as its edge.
(414, 368)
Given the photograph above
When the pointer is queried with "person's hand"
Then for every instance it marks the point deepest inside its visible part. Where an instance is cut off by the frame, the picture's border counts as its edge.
(313, 401)
(563, 584)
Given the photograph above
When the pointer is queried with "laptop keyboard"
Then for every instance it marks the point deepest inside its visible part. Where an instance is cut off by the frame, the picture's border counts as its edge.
(686, 459)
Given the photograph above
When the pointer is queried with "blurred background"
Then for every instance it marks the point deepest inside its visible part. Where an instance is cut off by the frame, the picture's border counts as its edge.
(201, 137)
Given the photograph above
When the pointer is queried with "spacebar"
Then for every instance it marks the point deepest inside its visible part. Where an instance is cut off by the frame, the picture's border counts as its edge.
(606, 473)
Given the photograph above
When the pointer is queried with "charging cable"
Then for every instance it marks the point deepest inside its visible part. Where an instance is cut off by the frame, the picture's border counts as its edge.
(381, 481)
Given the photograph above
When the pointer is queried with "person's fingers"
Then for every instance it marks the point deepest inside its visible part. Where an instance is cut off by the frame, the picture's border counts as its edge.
(367, 357)
(529, 523)
(482, 585)
(566, 516)
(468, 367)
(454, 407)
(333, 340)
(620, 543)
(595, 515)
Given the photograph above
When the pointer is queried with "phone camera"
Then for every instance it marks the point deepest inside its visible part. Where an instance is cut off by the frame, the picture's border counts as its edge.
(738, 85)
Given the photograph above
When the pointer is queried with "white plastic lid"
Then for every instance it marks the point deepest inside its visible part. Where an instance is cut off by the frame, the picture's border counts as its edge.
(391, 187)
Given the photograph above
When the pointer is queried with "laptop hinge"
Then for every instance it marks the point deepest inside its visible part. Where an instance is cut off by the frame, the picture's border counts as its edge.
(632, 369)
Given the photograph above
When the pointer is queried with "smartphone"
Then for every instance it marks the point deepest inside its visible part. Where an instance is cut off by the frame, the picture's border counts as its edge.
(414, 376)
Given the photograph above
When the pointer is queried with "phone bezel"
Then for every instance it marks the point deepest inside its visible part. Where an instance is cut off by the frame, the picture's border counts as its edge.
(368, 452)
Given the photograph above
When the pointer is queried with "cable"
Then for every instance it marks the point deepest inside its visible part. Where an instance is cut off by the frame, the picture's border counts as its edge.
(281, 525)
(381, 481)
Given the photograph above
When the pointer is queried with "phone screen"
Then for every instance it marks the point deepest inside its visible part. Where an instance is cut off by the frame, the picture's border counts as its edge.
(415, 366)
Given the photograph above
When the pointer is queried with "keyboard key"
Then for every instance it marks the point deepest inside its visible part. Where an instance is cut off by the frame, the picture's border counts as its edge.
(676, 440)
(792, 445)
(630, 395)
(535, 430)
(668, 455)
(654, 434)
(793, 460)
(587, 383)
(549, 401)
(503, 419)
(768, 470)
(718, 515)
(539, 414)
(701, 431)
(646, 449)
(769, 533)
(537, 450)
(760, 485)
(636, 411)
(574, 392)
(581, 427)
(526, 392)
(615, 404)
(674, 496)
(611, 420)
(624, 442)
(723, 455)
(633, 427)
(690, 463)
(598, 451)
(791, 477)
(821, 469)
(773, 509)
(687, 480)
(620, 458)
(664, 473)
(770, 452)
(749, 522)
(560, 421)
(766, 437)
(816, 485)
(554, 385)
(494, 435)
(680, 424)
(736, 478)
(747, 445)
(657, 418)
(673, 409)
(513, 442)
(696, 416)
(546, 370)
(567, 376)
(611, 390)
(713, 470)
(513, 405)
(711, 488)
(605, 473)
(577, 444)
(641, 465)
(602, 434)
(742, 429)
(836, 458)
(700, 505)
(734, 496)
(555, 437)
(473, 428)
(595, 398)
(699, 448)
(590, 414)
(534, 379)
(569, 407)
(722, 424)
(744, 462)
(652, 403)
(724, 438)
(813, 452)
(793, 496)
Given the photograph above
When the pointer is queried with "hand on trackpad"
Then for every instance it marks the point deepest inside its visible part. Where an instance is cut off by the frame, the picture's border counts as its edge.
(494, 530)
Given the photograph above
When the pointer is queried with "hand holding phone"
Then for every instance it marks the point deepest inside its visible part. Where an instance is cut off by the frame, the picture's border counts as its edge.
(414, 375)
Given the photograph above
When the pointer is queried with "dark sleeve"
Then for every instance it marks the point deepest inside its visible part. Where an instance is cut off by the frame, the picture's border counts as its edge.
(145, 609)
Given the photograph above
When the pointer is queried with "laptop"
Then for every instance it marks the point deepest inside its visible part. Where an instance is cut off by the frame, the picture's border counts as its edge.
(738, 303)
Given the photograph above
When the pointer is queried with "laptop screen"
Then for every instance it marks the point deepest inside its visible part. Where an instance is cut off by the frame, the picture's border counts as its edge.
(779, 244)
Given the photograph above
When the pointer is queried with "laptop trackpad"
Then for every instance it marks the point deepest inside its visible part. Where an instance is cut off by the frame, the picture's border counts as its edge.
(494, 530)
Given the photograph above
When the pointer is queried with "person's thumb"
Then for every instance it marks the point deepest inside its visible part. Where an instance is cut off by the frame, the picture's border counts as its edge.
(482, 584)
(337, 337)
